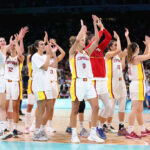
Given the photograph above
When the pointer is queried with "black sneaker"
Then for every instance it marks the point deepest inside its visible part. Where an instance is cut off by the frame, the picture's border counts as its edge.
(15, 133)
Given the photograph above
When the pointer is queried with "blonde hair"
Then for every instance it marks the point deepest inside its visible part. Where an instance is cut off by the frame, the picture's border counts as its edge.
(131, 50)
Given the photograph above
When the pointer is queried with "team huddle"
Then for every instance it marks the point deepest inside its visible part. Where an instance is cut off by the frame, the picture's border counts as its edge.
(97, 73)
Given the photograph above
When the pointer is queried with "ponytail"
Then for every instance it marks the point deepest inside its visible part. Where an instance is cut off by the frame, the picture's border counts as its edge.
(33, 48)
(131, 50)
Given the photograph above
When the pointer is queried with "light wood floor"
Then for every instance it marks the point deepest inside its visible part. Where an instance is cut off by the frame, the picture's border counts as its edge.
(61, 120)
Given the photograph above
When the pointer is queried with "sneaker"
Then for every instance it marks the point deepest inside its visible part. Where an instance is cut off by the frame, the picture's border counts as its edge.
(105, 128)
(112, 129)
(122, 132)
(69, 130)
(39, 137)
(43, 133)
(27, 130)
(15, 133)
(147, 132)
(6, 136)
(100, 132)
(94, 137)
(84, 133)
(50, 129)
(132, 135)
(75, 139)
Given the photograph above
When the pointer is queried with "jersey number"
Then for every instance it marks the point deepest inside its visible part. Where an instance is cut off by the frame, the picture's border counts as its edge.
(10, 69)
(51, 71)
(84, 65)
(118, 67)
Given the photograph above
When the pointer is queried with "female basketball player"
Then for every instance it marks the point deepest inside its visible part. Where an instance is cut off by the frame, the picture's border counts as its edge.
(52, 75)
(12, 76)
(137, 85)
(41, 87)
(81, 85)
(115, 59)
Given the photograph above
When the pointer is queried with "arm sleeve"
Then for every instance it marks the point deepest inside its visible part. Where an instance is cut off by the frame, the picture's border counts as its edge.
(106, 41)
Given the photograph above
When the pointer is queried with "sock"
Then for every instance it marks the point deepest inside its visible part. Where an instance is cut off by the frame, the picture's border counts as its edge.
(9, 124)
(121, 125)
(100, 125)
(14, 126)
(37, 130)
(93, 130)
(42, 127)
(130, 129)
(142, 128)
(74, 131)
(49, 123)
(108, 125)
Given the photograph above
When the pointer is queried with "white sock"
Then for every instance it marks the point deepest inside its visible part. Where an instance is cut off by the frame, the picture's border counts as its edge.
(14, 126)
(109, 125)
(93, 130)
(37, 130)
(100, 125)
(9, 124)
(49, 123)
(74, 131)
(42, 127)
(130, 129)
(142, 128)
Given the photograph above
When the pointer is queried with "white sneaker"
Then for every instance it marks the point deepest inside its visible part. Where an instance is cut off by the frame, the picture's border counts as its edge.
(75, 139)
(44, 134)
(39, 137)
(94, 137)
(50, 129)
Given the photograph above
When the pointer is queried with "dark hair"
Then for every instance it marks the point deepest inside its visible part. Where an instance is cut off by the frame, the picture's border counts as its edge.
(110, 44)
(131, 50)
(72, 39)
(33, 48)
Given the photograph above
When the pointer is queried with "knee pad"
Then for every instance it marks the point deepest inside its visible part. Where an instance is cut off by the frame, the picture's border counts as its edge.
(81, 107)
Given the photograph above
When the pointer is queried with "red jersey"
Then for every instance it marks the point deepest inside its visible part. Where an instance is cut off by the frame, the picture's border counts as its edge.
(97, 57)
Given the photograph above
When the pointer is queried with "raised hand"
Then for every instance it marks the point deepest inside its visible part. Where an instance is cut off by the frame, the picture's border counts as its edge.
(22, 32)
(147, 40)
(126, 32)
(46, 37)
(82, 24)
(115, 35)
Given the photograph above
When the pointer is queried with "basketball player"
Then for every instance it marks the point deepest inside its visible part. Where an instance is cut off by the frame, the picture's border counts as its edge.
(52, 75)
(99, 72)
(31, 96)
(12, 76)
(115, 59)
(41, 88)
(137, 85)
(81, 85)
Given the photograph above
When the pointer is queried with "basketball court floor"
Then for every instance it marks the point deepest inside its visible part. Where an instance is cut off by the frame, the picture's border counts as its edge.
(61, 139)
